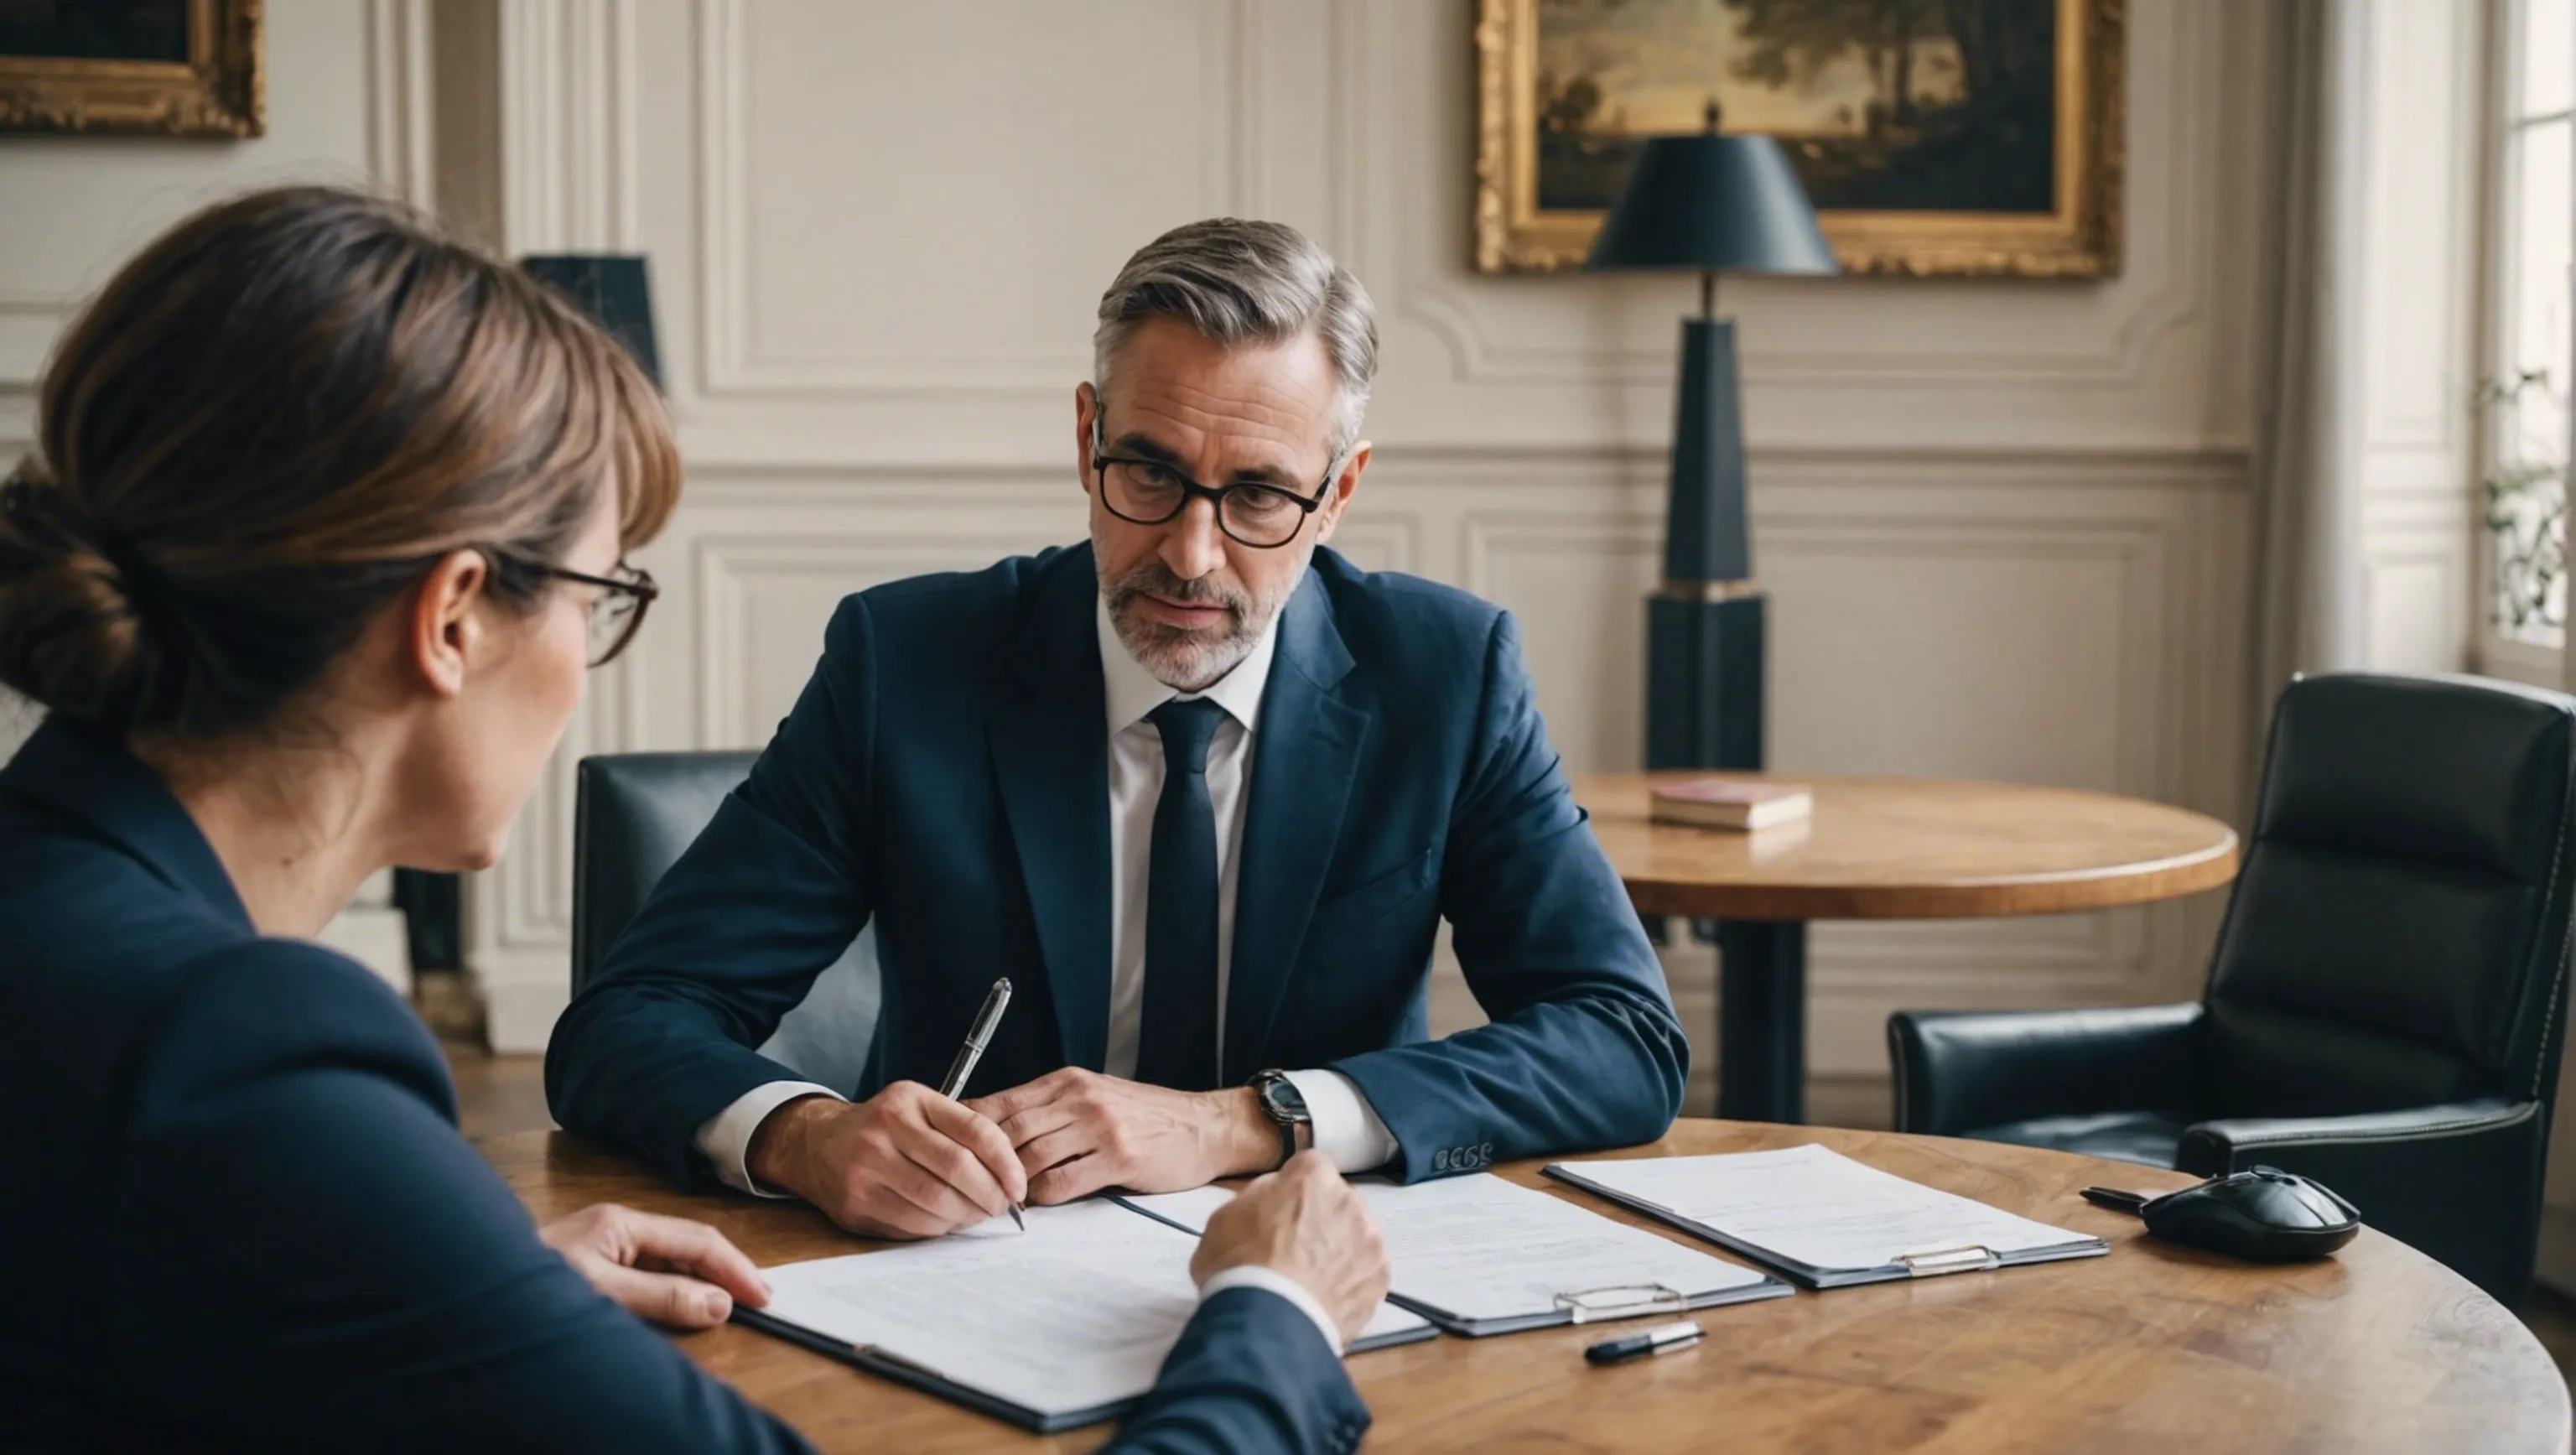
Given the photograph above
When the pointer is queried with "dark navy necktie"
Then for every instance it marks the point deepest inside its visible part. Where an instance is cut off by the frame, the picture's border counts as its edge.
(1177, 1044)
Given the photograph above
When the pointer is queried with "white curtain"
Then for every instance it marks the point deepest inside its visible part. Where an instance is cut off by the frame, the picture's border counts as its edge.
(2308, 500)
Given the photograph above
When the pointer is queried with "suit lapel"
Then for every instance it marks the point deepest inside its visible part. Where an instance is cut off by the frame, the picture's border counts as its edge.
(1304, 758)
(1051, 758)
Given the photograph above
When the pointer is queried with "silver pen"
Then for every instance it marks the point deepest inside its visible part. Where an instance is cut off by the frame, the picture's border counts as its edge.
(981, 1035)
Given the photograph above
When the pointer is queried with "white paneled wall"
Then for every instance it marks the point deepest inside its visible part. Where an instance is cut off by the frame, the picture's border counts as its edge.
(2005, 524)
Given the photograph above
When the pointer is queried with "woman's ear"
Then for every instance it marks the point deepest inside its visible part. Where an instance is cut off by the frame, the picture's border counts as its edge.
(446, 636)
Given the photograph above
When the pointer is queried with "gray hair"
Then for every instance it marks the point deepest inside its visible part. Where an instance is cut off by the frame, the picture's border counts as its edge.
(1237, 282)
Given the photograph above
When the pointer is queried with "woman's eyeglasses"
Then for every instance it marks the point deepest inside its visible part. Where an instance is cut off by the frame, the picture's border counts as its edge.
(618, 611)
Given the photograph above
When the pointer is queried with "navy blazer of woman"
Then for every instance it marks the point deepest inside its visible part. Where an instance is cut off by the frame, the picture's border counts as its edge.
(238, 1215)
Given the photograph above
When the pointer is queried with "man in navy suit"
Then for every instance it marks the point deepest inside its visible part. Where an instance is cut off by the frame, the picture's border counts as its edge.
(1201, 788)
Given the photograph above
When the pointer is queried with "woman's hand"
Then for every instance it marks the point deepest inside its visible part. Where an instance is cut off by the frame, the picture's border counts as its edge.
(670, 1270)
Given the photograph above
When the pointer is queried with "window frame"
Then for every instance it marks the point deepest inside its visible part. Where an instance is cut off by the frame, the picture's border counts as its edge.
(2499, 200)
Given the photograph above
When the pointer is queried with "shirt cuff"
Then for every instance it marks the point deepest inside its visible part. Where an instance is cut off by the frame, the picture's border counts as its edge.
(1253, 1275)
(725, 1138)
(1347, 1129)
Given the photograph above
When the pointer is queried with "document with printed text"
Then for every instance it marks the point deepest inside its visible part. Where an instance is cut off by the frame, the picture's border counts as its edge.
(1480, 1255)
(1063, 1325)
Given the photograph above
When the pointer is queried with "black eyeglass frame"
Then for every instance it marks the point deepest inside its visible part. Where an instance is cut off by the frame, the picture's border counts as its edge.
(1191, 490)
(641, 586)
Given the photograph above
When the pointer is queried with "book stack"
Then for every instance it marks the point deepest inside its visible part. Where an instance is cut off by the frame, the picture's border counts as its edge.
(1727, 803)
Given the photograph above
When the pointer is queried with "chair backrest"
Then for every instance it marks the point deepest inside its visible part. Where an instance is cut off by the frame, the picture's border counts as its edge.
(633, 814)
(2399, 935)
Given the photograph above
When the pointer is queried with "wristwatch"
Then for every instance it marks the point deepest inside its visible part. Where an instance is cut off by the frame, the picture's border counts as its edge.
(1286, 1108)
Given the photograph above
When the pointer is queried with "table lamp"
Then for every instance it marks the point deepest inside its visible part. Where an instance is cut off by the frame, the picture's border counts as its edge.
(616, 291)
(1714, 204)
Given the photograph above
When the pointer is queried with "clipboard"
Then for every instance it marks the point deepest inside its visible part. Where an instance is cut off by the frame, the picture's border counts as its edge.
(1585, 1306)
(1932, 1261)
(931, 1381)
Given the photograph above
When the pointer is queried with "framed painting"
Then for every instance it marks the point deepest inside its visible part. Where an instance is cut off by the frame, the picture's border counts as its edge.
(161, 67)
(1957, 137)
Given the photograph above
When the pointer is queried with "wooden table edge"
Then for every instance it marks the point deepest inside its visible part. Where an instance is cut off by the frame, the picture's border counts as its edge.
(2062, 892)
(1408, 1384)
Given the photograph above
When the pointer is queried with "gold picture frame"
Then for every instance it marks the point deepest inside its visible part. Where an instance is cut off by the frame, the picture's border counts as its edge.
(218, 90)
(2077, 236)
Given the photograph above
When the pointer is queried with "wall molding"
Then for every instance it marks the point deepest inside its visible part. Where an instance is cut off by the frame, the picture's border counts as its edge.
(400, 126)
(724, 568)
(1463, 520)
(722, 456)
(731, 366)
(569, 92)
(825, 458)
(568, 184)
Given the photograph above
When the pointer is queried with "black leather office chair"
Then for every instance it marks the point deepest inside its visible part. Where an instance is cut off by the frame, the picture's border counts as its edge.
(633, 813)
(2385, 1007)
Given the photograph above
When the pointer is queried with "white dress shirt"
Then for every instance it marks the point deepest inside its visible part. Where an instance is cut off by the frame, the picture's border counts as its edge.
(1347, 1130)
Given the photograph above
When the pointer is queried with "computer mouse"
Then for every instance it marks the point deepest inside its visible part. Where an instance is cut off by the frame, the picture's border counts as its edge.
(2262, 1214)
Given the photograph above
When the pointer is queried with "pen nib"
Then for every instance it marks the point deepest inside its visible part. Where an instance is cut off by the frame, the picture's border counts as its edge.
(1021, 1222)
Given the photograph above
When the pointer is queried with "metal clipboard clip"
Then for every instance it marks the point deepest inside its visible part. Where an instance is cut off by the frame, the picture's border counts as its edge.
(1933, 1262)
(1626, 1302)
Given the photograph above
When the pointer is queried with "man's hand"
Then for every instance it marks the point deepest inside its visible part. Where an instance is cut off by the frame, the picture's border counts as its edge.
(1078, 1131)
(905, 1163)
(1305, 1222)
(669, 1270)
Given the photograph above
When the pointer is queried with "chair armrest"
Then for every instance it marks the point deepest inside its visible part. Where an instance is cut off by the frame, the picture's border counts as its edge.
(2460, 1181)
(2376, 1138)
(1959, 1070)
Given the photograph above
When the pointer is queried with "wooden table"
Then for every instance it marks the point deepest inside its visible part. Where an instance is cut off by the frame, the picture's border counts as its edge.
(1881, 848)
(2152, 1349)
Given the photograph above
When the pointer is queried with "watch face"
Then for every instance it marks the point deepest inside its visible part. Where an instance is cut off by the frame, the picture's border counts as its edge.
(1283, 1098)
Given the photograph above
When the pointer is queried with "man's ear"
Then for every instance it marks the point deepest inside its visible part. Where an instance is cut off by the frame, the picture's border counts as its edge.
(446, 635)
(1345, 485)
(1086, 403)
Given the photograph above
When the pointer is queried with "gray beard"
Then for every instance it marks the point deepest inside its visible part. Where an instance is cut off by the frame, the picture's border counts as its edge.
(1186, 661)
(1181, 663)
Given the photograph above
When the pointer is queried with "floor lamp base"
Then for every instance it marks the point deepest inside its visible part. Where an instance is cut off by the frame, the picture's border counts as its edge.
(1704, 678)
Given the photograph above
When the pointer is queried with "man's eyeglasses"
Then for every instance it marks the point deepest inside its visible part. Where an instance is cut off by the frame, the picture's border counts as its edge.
(1150, 492)
(617, 613)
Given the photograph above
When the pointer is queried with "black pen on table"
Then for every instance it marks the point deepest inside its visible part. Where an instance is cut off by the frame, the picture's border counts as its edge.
(995, 1002)
(1645, 1341)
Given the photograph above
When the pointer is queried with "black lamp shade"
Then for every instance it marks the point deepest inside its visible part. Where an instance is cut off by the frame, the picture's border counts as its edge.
(617, 293)
(1724, 204)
